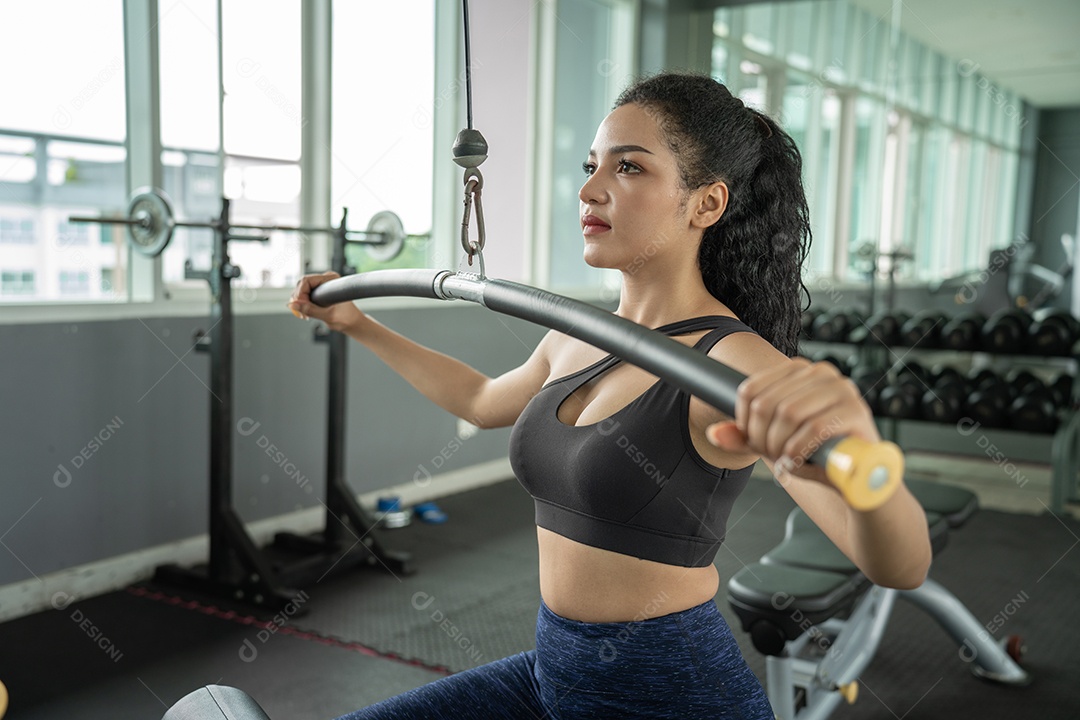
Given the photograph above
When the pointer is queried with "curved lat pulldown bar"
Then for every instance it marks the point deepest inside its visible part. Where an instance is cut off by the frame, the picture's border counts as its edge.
(866, 473)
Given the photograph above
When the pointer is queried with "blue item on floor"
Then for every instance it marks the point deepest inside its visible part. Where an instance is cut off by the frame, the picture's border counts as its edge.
(429, 512)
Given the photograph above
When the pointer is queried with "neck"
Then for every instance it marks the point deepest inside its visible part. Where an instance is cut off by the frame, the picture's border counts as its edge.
(654, 294)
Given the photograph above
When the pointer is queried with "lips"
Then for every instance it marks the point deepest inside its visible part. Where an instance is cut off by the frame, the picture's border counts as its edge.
(591, 224)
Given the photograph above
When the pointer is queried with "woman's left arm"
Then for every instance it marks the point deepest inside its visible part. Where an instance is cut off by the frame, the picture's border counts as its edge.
(786, 408)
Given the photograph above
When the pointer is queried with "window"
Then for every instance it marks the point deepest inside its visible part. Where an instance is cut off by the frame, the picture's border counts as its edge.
(260, 123)
(17, 282)
(69, 234)
(588, 34)
(19, 232)
(74, 282)
(867, 172)
(62, 152)
(383, 123)
(899, 149)
(68, 57)
(17, 162)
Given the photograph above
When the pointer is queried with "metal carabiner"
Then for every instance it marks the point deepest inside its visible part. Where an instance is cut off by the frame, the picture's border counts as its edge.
(474, 183)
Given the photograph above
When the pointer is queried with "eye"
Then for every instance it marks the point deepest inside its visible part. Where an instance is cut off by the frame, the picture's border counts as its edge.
(625, 166)
(588, 167)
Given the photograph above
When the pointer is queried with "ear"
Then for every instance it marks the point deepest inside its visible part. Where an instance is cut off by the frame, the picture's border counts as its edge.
(711, 201)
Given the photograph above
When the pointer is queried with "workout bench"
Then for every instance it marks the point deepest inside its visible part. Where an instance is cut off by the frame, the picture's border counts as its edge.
(819, 621)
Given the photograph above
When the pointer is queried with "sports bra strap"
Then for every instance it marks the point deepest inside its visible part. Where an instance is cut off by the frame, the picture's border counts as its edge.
(720, 326)
(728, 327)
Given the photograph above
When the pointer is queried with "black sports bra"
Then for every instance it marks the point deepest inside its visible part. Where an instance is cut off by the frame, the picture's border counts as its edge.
(631, 483)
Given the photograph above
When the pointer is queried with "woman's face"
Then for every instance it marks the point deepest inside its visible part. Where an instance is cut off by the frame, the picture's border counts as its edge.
(633, 204)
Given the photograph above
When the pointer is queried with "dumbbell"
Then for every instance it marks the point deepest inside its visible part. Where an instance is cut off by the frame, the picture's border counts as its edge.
(834, 325)
(1033, 407)
(963, 332)
(871, 382)
(1006, 331)
(914, 373)
(903, 398)
(1062, 388)
(882, 327)
(923, 329)
(977, 377)
(944, 402)
(1022, 380)
(1033, 410)
(948, 375)
(989, 400)
(900, 401)
(1053, 332)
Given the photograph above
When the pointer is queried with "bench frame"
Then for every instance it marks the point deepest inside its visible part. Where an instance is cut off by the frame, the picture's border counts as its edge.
(801, 686)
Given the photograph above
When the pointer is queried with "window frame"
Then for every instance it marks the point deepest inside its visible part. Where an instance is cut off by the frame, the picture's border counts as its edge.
(147, 292)
(956, 107)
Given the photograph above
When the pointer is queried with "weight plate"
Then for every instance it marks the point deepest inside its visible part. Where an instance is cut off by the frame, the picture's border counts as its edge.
(389, 225)
(152, 208)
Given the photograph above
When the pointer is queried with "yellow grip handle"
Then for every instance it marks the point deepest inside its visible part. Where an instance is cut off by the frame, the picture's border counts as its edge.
(3, 699)
(866, 473)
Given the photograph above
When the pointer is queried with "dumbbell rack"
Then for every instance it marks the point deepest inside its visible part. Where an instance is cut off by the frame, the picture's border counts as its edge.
(1062, 447)
(238, 569)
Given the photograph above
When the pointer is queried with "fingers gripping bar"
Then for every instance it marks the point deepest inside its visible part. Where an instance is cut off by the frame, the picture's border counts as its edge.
(866, 473)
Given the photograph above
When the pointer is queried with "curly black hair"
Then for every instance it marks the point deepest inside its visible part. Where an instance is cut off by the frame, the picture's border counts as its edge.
(751, 258)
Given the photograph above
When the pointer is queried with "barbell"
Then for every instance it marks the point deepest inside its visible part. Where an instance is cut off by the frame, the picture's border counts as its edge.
(151, 223)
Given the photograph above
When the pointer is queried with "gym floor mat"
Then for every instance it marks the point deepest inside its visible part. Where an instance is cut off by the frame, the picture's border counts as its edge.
(474, 599)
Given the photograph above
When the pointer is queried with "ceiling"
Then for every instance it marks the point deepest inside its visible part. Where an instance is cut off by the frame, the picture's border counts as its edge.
(1031, 47)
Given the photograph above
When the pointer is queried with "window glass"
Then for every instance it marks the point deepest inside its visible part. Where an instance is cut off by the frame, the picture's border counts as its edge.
(383, 122)
(759, 29)
(866, 174)
(801, 33)
(69, 58)
(188, 67)
(934, 158)
(582, 100)
(62, 152)
(261, 125)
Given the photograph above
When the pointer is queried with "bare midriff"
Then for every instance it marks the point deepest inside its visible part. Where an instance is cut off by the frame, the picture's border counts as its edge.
(589, 584)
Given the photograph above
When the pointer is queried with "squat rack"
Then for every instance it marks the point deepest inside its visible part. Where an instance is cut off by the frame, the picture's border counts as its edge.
(237, 568)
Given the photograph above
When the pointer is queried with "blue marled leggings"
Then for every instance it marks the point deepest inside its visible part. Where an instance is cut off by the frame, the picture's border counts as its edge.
(685, 665)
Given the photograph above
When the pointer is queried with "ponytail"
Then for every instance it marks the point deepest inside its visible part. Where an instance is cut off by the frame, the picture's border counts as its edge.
(751, 259)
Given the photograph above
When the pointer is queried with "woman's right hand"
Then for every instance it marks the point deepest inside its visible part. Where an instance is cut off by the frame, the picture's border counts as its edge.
(338, 317)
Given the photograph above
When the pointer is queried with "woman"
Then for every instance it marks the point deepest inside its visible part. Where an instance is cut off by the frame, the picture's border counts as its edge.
(698, 201)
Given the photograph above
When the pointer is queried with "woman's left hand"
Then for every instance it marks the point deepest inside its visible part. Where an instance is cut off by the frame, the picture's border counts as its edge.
(784, 413)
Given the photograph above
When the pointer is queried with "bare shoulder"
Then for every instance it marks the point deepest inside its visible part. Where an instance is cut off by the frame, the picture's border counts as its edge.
(564, 354)
(747, 352)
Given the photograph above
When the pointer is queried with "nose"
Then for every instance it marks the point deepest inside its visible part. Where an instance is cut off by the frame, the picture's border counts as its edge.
(593, 191)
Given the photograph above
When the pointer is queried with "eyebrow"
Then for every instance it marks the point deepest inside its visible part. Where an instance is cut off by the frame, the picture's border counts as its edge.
(619, 149)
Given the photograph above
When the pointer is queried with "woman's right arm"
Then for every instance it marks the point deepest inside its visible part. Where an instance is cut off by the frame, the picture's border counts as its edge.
(451, 384)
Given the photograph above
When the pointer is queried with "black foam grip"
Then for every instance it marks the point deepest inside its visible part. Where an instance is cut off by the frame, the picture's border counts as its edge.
(378, 283)
(685, 368)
